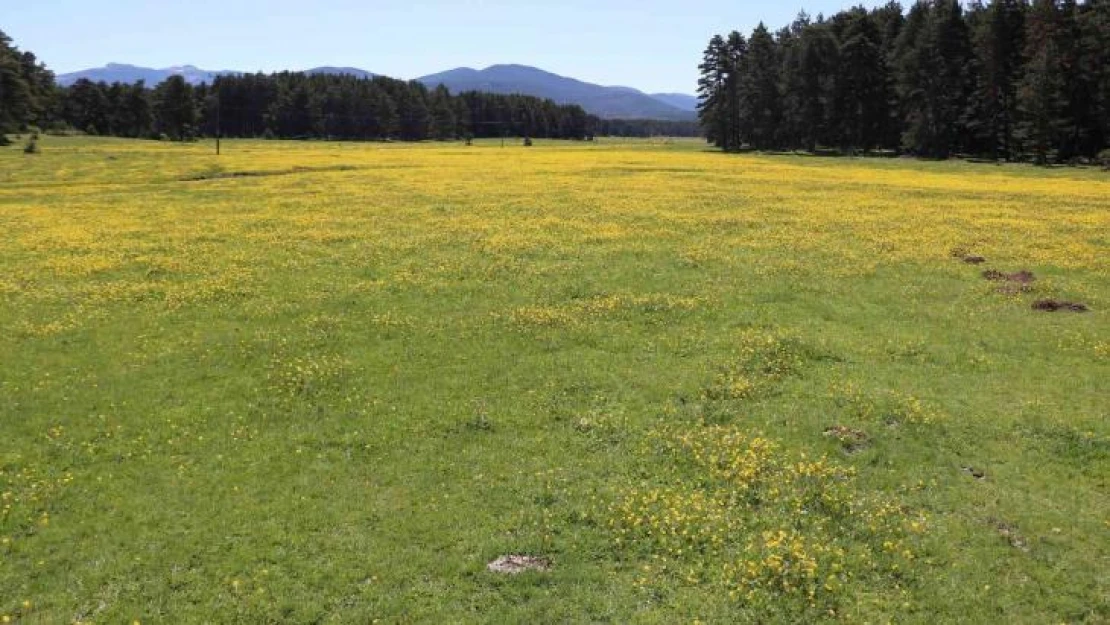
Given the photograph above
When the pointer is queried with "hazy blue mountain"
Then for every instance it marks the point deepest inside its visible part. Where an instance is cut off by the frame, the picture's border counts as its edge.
(678, 100)
(350, 71)
(118, 72)
(608, 102)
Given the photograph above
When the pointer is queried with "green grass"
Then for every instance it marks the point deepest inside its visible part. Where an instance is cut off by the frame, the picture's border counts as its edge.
(335, 394)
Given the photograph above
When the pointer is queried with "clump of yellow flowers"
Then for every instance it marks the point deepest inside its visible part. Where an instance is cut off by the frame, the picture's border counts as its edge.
(738, 511)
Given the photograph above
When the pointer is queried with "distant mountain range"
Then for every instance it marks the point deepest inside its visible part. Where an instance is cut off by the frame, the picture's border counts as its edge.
(118, 72)
(678, 100)
(353, 71)
(607, 102)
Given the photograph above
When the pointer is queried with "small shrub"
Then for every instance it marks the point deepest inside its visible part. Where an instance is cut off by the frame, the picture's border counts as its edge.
(32, 146)
(1103, 159)
(4, 140)
(59, 129)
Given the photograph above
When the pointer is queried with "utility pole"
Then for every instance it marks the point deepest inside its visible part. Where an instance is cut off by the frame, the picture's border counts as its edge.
(217, 121)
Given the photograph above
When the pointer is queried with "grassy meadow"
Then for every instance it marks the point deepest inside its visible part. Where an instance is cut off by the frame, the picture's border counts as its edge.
(329, 382)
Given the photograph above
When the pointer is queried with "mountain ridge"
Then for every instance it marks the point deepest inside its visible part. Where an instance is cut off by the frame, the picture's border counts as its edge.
(123, 72)
(609, 102)
(603, 101)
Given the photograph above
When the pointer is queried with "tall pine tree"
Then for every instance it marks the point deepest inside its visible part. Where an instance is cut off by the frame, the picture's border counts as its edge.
(176, 108)
(935, 84)
(1041, 91)
(17, 98)
(759, 95)
(712, 99)
(862, 100)
(999, 43)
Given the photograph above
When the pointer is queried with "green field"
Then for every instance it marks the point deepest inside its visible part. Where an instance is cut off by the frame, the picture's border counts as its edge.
(321, 383)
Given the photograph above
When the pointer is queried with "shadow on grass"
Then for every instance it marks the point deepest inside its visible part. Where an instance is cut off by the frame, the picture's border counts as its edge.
(217, 173)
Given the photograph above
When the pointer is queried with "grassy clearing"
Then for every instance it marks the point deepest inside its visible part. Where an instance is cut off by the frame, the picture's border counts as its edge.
(699, 386)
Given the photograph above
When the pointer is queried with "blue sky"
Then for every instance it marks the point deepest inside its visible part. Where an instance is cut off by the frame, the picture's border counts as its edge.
(648, 44)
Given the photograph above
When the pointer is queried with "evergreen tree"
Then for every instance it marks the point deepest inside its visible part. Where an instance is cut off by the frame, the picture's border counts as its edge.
(1079, 113)
(444, 123)
(1041, 92)
(790, 41)
(760, 90)
(862, 100)
(17, 103)
(736, 54)
(86, 107)
(386, 122)
(176, 109)
(297, 110)
(998, 41)
(1041, 104)
(815, 85)
(137, 111)
(934, 57)
(1094, 26)
(711, 93)
(40, 85)
(415, 120)
(889, 21)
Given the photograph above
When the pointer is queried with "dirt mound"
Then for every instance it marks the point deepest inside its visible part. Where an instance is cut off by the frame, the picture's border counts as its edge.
(515, 564)
(1021, 277)
(850, 439)
(1052, 305)
(978, 474)
(967, 256)
(1010, 533)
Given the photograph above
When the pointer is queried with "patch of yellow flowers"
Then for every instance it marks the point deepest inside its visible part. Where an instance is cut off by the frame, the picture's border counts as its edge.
(737, 511)
(577, 313)
(761, 360)
(889, 407)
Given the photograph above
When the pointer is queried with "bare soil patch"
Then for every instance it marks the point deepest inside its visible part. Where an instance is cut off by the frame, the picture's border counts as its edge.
(851, 439)
(1052, 305)
(1011, 534)
(217, 174)
(967, 256)
(1020, 277)
(515, 564)
(978, 474)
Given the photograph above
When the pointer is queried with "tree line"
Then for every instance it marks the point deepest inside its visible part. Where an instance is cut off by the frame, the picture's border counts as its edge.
(300, 106)
(26, 88)
(296, 106)
(647, 128)
(288, 105)
(1006, 79)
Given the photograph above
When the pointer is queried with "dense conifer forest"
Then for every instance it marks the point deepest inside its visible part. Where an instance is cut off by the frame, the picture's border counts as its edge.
(1008, 79)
